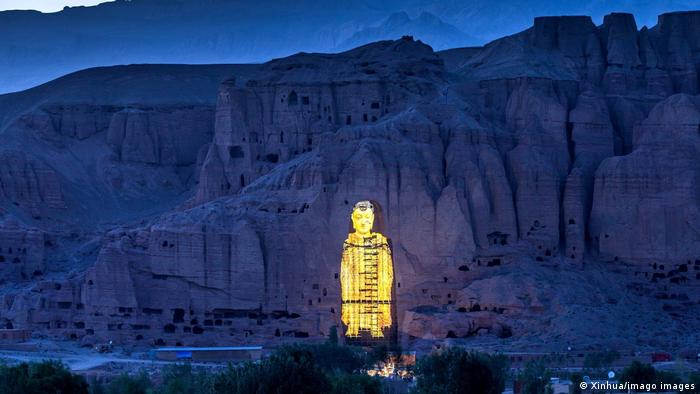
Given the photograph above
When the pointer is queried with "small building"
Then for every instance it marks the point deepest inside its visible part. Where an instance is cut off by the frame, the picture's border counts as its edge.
(230, 353)
(560, 386)
(14, 335)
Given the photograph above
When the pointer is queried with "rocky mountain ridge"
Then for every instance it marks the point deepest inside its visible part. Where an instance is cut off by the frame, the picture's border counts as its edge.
(542, 188)
(38, 47)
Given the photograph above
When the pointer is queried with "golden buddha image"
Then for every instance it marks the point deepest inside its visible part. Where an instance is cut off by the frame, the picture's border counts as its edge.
(366, 277)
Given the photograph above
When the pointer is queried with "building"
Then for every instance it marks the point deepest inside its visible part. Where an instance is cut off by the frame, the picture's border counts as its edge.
(233, 353)
(560, 386)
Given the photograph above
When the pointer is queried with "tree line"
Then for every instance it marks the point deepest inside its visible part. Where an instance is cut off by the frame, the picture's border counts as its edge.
(322, 368)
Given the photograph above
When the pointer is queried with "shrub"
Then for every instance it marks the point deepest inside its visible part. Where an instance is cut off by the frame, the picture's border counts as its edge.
(39, 378)
(346, 383)
(601, 359)
(289, 370)
(124, 384)
(330, 357)
(535, 378)
(576, 379)
(638, 372)
(381, 353)
(182, 379)
(458, 371)
(333, 335)
(694, 379)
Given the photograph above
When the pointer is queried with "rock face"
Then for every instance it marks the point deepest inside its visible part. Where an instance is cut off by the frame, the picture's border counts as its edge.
(547, 176)
(171, 136)
(649, 198)
(164, 135)
(22, 252)
(29, 184)
(283, 112)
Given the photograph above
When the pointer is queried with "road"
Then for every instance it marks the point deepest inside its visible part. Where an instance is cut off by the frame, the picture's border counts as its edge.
(88, 361)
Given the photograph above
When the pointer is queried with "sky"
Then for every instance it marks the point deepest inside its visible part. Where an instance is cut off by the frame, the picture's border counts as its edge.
(37, 48)
(44, 5)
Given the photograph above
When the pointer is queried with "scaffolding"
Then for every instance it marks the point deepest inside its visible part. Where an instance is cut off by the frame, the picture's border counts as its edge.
(370, 292)
(367, 281)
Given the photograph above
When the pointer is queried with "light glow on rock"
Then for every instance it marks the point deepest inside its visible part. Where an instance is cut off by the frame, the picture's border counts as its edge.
(366, 277)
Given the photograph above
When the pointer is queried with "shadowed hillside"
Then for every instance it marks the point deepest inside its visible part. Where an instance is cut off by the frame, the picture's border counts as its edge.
(539, 191)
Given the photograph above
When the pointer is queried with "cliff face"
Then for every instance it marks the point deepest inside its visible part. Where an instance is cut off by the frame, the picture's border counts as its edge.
(291, 103)
(546, 177)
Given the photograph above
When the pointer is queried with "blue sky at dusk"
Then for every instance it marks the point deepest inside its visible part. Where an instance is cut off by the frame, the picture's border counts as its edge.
(44, 5)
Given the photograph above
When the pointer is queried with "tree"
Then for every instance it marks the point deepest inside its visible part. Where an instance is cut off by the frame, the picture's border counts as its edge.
(330, 358)
(600, 359)
(381, 353)
(347, 383)
(694, 379)
(183, 379)
(638, 372)
(333, 335)
(535, 378)
(576, 379)
(289, 370)
(456, 370)
(39, 378)
(124, 384)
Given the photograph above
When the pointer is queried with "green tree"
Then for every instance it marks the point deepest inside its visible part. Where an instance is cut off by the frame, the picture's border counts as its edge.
(456, 370)
(638, 372)
(183, 379)
(381, 353)
(333, 335)
(576, 379)
(39, 378)
(694, 379)
(124, 384)
(666, 377)
(535, 378)
(600, 359)
(329, 357)
(348, 383)
(290, 370)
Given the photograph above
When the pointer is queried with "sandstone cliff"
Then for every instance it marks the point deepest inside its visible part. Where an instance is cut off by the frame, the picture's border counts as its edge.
(545, 183)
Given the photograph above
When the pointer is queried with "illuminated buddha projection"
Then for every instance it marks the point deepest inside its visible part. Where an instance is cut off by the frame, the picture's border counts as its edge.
(366, 277)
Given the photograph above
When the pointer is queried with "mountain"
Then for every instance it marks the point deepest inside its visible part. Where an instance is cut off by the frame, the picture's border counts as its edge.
(75, 121)
(428, 27)
(538, 192)
(38, 47)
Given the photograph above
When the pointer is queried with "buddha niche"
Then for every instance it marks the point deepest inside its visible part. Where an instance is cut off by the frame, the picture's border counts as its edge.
(366, 277)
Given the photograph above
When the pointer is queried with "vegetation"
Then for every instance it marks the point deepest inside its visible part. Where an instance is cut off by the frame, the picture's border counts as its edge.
(381, 353)
(694, 379)
(576, 379)
(535, 378)
(322, 368)
(644, 373)
(295, 369)
(345, 383)
(289, 370)
(638, 372)
(458, 371)
(40, 378)
(331, 357)
(124, 384)
(333, 335)
(601, 359)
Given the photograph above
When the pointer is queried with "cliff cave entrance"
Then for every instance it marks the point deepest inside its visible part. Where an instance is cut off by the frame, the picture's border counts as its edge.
(367, 279)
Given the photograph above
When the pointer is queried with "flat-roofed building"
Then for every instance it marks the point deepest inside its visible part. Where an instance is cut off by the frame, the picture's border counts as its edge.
(226, 353)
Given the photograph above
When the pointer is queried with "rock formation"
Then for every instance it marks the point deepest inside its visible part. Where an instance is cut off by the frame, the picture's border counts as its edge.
(544, 186)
